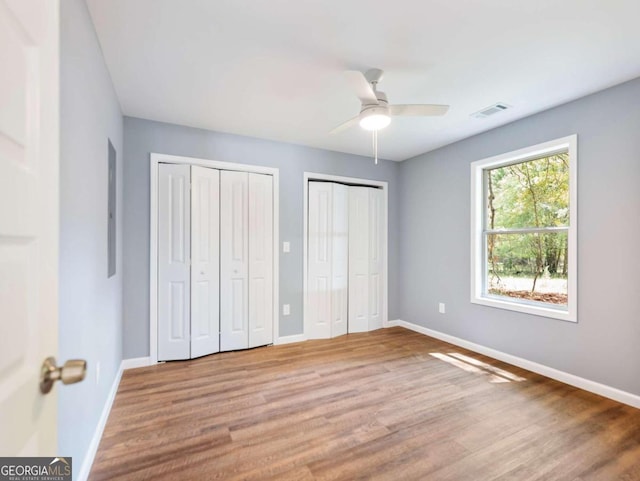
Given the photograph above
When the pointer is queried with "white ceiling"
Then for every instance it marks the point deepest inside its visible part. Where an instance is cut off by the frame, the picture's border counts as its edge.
(273, 69)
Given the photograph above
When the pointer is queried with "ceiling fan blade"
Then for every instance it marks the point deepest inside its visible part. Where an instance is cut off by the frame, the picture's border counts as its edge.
(361, 87)
(426, 110)
(345, 125)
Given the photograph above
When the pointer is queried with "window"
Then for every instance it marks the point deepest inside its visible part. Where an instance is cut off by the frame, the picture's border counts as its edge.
(523, 246)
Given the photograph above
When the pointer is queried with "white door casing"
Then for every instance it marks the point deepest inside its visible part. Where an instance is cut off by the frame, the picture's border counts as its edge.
(205, 261)
(29, 216)
(174, 255)
(234, 262)
(260, 259)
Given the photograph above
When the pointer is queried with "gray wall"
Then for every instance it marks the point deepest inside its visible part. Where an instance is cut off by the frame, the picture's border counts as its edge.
(435, 246)
(90, 303)
(141, 137)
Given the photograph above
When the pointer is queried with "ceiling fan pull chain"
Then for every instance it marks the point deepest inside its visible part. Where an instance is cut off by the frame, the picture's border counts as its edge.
(373, 142)
(375, 146)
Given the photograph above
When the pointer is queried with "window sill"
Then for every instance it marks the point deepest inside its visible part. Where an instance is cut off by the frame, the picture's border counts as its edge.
(501, 303)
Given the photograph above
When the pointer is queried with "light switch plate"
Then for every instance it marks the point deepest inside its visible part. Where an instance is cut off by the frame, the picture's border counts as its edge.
(286, 309)
(441, 308)
(286, 247)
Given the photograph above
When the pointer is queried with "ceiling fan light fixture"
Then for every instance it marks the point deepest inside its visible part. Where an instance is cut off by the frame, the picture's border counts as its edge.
(375, 121)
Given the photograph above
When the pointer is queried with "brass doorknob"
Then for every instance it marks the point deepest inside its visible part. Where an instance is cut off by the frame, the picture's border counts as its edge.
(74, 370)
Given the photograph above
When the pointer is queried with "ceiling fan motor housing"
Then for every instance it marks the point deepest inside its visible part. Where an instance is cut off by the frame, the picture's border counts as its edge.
(382, 107)
(374, 109)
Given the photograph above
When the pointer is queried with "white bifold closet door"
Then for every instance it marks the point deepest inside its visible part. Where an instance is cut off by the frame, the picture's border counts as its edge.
(260, 260)
(205, 261)
(174, 256)
(188, 262)
(327, 269)
(234, 260)
(365, 259)
(215, 261)
(246, 260)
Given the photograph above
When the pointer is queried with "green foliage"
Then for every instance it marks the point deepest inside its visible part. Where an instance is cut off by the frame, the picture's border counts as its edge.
(531, 194)
(517, 254)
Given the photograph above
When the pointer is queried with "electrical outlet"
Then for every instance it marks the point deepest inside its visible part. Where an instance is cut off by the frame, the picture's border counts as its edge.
(98, 372)
(286, 247)
(441, 309)
(286, 309)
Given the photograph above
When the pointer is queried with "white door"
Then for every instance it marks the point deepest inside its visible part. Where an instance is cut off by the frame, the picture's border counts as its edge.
(234, 260)
(260, 260)
(174, 273)
(318, 313)
(205, 264)
(339, 260)
(365, 258)
(29, 213)
(327, 253)
(376, 239)
(359, 259)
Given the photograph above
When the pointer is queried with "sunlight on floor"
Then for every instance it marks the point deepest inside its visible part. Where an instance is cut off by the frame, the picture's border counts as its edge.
(470, 364)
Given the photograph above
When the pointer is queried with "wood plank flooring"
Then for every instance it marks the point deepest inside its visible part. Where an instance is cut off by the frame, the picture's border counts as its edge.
(386, 405)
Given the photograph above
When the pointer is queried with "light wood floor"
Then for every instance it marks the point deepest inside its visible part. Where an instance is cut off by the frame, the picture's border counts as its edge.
(390, 404)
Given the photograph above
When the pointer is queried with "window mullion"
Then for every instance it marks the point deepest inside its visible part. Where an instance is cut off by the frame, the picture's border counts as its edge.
(526, 230)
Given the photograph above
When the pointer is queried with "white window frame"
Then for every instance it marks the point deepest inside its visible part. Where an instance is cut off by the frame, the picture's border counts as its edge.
(478, 256)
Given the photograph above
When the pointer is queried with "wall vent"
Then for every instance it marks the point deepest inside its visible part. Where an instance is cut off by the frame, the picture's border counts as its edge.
(491, 110)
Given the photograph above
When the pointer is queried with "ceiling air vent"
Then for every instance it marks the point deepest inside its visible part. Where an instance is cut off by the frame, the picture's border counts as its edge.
(491, 110)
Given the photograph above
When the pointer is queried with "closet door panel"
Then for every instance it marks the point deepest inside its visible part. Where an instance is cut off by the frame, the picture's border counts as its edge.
(340, 260)
(260, 260)
(205, 261)
(376, 238)
(174, 242)
(319, 251)
(234, 262)
(359, 259)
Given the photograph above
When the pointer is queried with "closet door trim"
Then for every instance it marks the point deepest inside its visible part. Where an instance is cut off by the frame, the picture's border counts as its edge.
(155, 160)
(355, 181)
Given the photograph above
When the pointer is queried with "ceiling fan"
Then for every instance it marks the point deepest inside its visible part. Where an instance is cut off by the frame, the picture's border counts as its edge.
(375, 112)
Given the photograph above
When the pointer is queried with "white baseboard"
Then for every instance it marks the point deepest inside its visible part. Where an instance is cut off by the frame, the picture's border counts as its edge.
(136, 362)
(85, 469)
(565, 377)
(290, 339)
(97, 435)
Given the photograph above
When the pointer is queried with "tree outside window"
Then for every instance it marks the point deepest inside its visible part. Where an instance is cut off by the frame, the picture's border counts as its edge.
(526, 229)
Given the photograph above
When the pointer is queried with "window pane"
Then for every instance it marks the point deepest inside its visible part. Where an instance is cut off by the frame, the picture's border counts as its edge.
(534, 193)
(531, 267)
